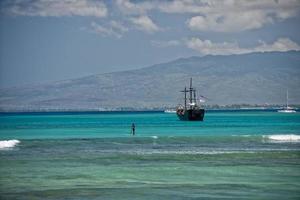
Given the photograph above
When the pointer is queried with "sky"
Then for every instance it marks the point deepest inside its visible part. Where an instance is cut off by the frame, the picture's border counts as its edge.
(50, 40)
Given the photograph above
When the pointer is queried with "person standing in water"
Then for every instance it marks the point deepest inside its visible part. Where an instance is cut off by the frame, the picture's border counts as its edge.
(133, 129)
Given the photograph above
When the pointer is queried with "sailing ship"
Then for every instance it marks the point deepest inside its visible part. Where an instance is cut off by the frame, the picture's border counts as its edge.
(190, 111)
(287, 109)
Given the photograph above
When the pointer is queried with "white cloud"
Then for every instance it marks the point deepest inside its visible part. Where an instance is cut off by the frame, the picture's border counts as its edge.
(183, 6)
(145, 24)
(219, 15)
(162, 44)
(167, 6)
(281, 44)
(114, 28)
(127, 7)
(231, 22)
(207, 47)
(207, 15)
(57, 8)
(235, 16)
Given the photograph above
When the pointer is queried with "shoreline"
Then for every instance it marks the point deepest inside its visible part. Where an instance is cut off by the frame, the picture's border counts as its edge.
(74, 112)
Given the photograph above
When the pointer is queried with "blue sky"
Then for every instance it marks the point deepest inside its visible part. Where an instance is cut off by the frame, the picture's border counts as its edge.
(43, 41)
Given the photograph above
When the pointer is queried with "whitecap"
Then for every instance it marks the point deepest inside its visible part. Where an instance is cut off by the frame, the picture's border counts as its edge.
(241, 135)
(187, 152)
(8, 143)
(154, 137)
(283, 138)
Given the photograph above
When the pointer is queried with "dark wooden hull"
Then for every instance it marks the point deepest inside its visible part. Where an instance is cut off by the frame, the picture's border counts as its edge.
(191, 115)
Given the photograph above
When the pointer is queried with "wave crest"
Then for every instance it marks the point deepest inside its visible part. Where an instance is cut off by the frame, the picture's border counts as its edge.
(8, 143)
(283, 138)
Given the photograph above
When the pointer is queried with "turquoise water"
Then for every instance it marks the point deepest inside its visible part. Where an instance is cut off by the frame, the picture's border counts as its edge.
(231, 155)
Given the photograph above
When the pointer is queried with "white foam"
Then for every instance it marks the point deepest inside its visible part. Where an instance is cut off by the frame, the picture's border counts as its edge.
(8, 143)
(241, 135)
(283, 138)
(154, 137)
(187, 152)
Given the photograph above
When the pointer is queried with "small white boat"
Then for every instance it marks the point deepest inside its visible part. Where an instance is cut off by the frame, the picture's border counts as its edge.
(170, 111)
(287, 109)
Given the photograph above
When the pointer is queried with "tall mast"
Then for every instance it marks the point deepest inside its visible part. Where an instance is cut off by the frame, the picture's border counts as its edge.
(185, 91)
(195, 96)
(287, 99)
(191, 91)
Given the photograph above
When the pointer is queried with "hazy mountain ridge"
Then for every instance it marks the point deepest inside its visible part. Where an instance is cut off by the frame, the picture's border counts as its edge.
(255, 78)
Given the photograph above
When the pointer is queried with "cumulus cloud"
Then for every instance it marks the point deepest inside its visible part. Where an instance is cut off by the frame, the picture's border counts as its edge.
(207, 47)
(55, 8)
(219, 15)
(114, 29)
(167, 6)
(234, 16)
(129, 7)
(184, 6)
(205, 15)
(232, 22)
(145, 24)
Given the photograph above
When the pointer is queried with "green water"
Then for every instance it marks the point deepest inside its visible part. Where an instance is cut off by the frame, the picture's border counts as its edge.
(231, 155)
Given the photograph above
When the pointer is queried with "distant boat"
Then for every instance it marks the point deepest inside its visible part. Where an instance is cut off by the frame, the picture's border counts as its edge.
(170, 111)
(190, 111)
(287, 109)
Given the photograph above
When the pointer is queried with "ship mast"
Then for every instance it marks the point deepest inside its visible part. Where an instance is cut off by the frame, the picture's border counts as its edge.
(191, 93)
(195, 96)
(287, 99)
(192, 96)
(185, 91)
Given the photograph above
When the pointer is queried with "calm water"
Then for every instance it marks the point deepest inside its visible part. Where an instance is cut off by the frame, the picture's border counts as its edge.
(231, 155)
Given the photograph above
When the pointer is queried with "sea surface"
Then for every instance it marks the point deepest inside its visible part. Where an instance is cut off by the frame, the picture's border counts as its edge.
(231, 155)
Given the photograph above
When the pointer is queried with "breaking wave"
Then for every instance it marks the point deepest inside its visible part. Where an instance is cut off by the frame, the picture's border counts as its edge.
(8, 143)
(283, 138)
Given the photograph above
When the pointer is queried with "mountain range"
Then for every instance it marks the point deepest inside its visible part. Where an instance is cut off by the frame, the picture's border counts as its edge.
(255, 78)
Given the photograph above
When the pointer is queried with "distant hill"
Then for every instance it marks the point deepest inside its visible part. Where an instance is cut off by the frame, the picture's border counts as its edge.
(255, 78)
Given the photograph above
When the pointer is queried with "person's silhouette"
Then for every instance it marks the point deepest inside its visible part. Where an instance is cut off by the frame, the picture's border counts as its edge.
(133, 129)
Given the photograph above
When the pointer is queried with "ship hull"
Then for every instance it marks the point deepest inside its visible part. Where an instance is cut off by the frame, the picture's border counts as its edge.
(191, 115)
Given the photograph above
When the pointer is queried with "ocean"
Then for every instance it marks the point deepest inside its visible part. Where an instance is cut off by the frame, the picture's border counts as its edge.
(247, 154)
